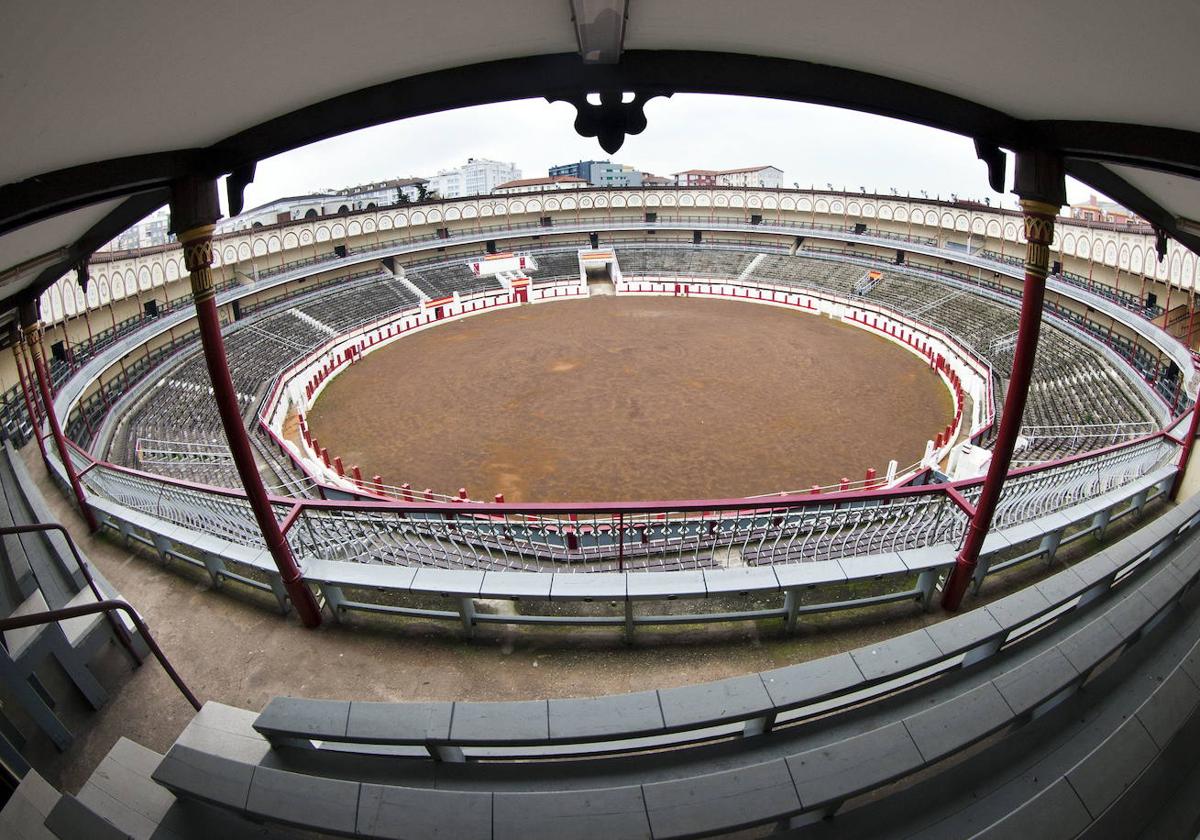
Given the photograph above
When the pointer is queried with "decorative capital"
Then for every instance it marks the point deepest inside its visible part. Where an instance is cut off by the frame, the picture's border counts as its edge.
(1039, 221)
(612, 120)
(197, 247)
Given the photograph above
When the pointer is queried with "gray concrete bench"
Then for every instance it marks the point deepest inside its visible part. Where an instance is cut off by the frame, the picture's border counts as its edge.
(217, 761)
(223, 759)
(757, 702)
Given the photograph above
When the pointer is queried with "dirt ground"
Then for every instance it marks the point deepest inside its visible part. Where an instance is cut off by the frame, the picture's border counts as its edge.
(632, 398)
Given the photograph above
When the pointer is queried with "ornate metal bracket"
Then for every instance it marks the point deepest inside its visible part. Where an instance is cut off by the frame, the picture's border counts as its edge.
(235, 187)
(1160, 243)
(991, 155)
(612, 120)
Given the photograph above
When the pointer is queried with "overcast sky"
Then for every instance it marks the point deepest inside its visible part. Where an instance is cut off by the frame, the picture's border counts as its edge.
(812, 144)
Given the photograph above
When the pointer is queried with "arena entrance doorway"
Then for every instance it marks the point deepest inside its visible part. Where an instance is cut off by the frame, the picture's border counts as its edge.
(600, 270)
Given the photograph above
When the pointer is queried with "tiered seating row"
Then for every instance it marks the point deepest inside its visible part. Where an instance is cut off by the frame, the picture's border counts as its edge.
(180, 407)
(752, 752)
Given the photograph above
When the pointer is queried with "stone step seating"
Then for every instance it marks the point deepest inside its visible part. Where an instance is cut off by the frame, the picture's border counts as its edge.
(54, 581)
(995, 671)
(1114, 760)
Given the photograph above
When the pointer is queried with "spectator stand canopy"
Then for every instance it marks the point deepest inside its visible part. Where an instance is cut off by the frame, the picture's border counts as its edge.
(107, 106)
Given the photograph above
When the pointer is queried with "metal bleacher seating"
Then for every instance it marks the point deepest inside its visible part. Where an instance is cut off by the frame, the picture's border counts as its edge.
(180, 409)
(444, 279)
(1075, 700)
(1077, 402)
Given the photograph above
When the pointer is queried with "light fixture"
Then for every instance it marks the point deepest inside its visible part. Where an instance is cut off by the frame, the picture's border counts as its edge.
(1189, 225)
(600, 29)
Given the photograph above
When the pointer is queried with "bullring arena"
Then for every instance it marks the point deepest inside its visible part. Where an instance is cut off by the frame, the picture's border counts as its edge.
(648, 511)
(616, 399)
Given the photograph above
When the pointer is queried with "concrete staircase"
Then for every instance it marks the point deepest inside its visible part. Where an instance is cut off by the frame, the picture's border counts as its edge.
(313, 322)
(399, 277)
(749, 269)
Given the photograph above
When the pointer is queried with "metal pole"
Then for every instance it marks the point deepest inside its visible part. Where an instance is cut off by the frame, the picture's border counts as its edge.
(1189, 443)
(34, 422)
(194, 210)
(33, 337)
(1041, 185)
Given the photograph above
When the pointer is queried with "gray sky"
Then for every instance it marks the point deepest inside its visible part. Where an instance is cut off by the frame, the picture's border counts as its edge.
(812, 144)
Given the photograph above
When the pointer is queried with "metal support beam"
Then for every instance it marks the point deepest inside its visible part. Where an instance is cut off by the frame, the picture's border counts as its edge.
(1041, 184)
(1189, 443)
(30, 405)
(33, 337)
(194, 210)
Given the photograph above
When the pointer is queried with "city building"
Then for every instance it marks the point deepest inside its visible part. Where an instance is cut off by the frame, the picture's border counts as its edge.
(477, 177)
(327, 203)
(147, 233)
(580, 169)
(553, 182)
(749, 176)
(1095, 210)
(608, 174)
(696, 178)
(600, 173)
(649, 179)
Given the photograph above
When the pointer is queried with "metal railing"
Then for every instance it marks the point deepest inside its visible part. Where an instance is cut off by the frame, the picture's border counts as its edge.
(661, 535)
(108, 607)
(43, 527)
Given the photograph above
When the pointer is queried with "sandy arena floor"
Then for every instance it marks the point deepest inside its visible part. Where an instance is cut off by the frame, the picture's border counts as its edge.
(632, 398)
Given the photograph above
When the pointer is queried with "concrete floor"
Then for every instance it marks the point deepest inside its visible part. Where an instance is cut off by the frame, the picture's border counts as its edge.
(234, 648)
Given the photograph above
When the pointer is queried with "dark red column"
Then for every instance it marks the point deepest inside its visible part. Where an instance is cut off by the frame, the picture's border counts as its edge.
(30, 409)
(1189, 443)
(1041, 186)
(33, 337)
(194, 210)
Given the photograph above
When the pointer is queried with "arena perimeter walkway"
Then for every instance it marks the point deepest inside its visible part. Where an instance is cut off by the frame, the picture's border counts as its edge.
(231, 649)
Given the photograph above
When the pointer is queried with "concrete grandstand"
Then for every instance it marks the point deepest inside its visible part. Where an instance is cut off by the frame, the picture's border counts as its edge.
(1027, 580)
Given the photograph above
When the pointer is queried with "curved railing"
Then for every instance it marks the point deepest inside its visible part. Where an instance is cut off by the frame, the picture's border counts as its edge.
(665, 536)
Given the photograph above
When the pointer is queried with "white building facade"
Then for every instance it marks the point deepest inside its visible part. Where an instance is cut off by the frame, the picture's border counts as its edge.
(532, 185)
(478, 176)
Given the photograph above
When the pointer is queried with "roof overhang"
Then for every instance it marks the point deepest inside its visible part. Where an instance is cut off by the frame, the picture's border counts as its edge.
(1130, 130)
